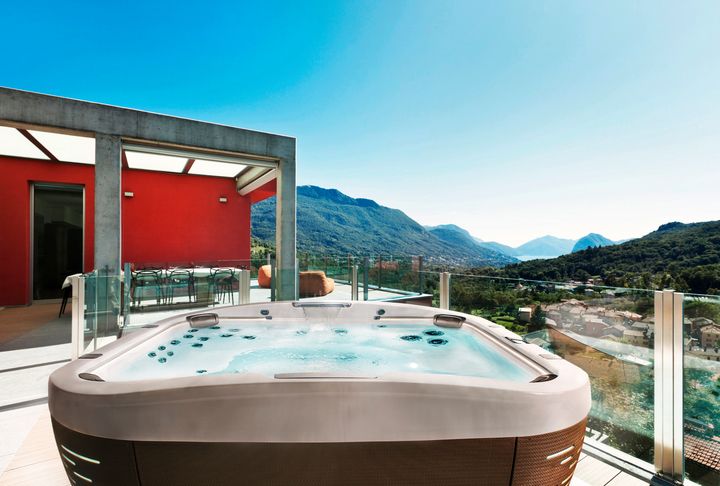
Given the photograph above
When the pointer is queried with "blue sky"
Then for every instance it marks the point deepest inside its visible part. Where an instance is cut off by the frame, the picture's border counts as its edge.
(511, 119)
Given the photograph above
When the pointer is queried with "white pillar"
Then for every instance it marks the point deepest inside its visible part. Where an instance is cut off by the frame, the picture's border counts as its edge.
(77, 326)
(445, 290)
(668, 386)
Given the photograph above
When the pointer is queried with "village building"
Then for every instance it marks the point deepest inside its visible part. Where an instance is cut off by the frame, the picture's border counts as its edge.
(710, 336)
(634, 337)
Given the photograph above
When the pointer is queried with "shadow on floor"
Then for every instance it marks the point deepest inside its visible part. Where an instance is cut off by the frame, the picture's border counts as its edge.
(33, 326)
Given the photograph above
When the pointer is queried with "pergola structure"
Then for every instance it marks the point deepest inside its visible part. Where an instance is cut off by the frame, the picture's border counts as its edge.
(132, 139)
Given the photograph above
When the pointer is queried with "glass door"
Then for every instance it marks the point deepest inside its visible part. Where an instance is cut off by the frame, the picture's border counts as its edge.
(57, 237)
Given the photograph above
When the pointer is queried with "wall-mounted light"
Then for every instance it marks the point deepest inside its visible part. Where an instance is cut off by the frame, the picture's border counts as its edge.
(223, 199)
(129, 194)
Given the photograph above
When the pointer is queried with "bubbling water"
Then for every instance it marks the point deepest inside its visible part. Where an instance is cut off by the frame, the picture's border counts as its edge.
(359, 349)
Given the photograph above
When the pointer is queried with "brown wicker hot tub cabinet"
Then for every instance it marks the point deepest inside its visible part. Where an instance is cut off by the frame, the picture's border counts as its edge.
(548, 459)
(473, 462)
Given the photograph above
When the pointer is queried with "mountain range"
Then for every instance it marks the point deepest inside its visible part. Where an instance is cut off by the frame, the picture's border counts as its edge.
(549, 246)
(331, 222)
(682, 256)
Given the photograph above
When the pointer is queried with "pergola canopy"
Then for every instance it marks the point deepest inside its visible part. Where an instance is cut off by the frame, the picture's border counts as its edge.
(251, 157)
(60, 147)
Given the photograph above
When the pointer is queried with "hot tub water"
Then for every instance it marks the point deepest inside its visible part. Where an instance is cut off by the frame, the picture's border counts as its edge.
(356, 349)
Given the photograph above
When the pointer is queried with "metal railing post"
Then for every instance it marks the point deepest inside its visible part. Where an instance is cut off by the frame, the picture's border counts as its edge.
(77, 306)
(349, 270)
(244, 286)
(127, 287)
(354, 282)
(445, 290)
(366, 278)
(273, 280)
(421, 276)
(668, 409)
(379, 267)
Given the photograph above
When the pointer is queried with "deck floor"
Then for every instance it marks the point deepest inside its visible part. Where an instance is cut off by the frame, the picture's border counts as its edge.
(36, 459)
(28, 455)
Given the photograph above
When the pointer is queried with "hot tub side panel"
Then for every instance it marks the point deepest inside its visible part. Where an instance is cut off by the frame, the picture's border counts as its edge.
(416, 463)
(548, 458)
(95, 460)
(535, 460)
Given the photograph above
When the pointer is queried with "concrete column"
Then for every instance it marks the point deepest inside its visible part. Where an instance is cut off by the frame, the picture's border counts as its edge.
(108, 165)
(286, 274)
(105, 311)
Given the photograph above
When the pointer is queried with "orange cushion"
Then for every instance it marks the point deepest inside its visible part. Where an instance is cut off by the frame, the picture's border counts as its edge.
(264, 278)
(315, 284)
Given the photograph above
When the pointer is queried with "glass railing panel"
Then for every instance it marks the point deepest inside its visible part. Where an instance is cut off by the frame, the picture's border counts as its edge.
(390, 277)
(608, 332)
(429, 284)
(101, 319)
(393, 278)
(261, 285)
(399, 274)
(325, 277)
(152, 293)
(333, 266)
(378, 277)
(701, 402)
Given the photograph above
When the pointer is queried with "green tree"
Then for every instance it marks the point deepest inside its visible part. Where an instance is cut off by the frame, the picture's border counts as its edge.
(537, 320)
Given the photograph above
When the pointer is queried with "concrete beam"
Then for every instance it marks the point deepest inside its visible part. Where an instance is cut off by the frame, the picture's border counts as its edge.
(246, 185)
(249, 175)
(26, 109)
(108, 167)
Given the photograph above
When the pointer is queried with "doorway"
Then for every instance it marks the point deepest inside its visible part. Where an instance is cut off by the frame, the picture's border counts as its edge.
(57, 237)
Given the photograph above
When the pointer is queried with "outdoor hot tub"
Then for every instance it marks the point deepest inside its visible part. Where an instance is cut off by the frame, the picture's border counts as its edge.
(320, 394)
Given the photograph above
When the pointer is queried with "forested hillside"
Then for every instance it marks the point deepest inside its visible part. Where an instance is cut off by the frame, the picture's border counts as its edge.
(685, 257)
(331, 223)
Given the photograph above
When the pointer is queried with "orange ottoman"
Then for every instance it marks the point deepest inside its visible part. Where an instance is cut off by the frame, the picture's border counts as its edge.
(264, 277)
(315, 284)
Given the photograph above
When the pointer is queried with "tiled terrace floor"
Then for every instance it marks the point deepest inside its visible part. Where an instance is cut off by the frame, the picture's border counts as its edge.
(28, 455)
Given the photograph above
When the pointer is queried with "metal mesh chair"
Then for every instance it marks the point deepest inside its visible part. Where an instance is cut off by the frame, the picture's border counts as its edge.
(146, 280)
(181, 279)
(222, 282)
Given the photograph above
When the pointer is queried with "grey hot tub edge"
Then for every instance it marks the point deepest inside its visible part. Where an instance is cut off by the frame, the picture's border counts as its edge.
(416, 428)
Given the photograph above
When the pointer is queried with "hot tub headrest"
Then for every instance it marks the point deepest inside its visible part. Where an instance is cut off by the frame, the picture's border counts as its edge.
(448, 320)
(203, 320)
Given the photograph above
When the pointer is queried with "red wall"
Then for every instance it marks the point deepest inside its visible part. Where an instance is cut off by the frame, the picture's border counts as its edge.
(172, 219)
(177, 218)
(16, 176)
